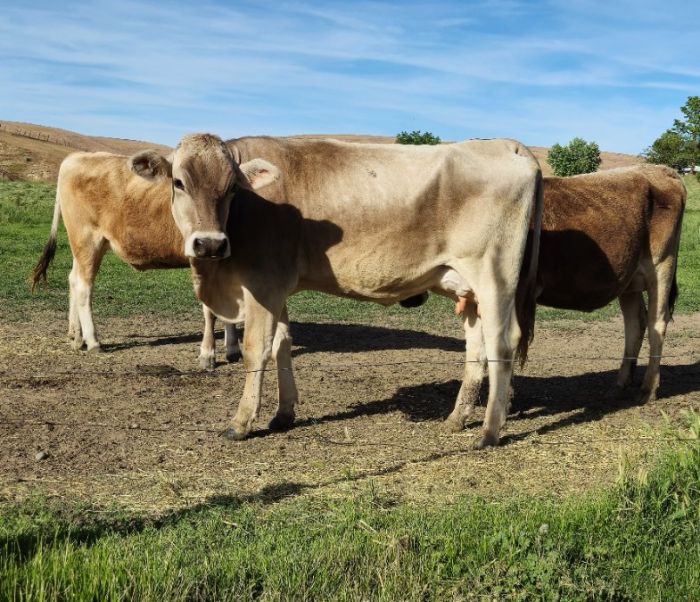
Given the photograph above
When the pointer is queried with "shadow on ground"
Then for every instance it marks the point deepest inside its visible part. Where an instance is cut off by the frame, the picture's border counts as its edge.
(312, 337)
(535, 397)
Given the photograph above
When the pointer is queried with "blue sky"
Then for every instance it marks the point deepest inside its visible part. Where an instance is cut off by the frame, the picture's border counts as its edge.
(543, 72)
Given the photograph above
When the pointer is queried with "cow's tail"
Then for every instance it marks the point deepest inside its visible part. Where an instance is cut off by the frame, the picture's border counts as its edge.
(526, 293)
(39, 272)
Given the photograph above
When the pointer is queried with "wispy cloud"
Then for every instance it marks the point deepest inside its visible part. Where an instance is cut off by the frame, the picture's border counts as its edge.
(542, 72)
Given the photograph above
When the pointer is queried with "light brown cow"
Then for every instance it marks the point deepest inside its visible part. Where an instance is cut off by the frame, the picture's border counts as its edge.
(106, 206)
(614, 234)
(373, 222)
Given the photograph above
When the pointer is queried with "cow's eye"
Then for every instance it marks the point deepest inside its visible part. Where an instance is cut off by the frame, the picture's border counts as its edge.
(178, 184)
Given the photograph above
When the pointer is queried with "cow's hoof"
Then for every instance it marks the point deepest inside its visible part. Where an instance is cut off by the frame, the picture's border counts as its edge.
(281, 422)
(76, 344)
(644, 396)
(488, 440)
(207, 362)
(233, 434)
(95, 349)
(453, 425)
(233, 357)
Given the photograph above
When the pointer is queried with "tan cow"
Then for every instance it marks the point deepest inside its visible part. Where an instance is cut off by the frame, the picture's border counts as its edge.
(106, 206)
(373, 222)
(613, 234)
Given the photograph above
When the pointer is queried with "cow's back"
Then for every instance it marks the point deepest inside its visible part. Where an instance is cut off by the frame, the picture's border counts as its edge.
(101, 197)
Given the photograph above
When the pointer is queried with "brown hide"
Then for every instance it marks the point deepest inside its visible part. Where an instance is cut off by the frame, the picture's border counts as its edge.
(597, 228)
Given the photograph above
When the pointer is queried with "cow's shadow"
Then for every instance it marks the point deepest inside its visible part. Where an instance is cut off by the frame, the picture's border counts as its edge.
(576, 399)
(312, 337)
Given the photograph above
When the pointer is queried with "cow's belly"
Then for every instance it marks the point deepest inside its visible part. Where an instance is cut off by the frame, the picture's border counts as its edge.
(148, 255)
(387, 288)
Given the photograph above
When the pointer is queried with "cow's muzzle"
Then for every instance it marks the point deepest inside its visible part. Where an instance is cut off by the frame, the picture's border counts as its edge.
(206, 247)
(203, 246)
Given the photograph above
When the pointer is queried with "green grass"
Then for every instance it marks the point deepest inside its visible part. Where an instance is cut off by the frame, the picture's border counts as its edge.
(637, 541)
(26, 210)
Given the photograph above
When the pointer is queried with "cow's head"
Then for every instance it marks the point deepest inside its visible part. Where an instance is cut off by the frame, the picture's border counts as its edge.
(204, 177)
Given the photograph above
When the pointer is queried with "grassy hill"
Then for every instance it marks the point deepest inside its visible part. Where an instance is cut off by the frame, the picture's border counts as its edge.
(34, 152)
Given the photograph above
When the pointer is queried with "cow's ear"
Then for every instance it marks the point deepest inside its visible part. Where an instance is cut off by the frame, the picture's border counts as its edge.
(151, 165)
(260, 173)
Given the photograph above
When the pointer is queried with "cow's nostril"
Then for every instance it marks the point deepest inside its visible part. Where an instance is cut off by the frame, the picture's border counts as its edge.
(220, 249)
(199, 246)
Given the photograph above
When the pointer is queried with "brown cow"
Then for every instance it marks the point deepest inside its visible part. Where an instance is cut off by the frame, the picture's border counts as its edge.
(616, 233)
(373, 222)
(106, 206)
(609, 234)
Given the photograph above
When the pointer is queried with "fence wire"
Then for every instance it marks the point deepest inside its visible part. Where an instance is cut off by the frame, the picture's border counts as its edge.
(169, 372)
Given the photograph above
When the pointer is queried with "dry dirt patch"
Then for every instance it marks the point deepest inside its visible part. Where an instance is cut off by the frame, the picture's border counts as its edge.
(139, 425)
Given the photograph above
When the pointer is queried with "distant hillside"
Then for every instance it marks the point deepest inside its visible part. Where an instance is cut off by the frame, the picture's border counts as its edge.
(34, 152)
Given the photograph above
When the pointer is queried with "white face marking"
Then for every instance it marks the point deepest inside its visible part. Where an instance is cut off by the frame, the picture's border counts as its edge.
(213, 236)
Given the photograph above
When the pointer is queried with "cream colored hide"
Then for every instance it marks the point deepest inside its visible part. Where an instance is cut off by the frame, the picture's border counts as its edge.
(379, 223)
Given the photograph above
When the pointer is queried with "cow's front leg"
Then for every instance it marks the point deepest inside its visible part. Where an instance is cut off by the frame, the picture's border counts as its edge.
(286, 387)
(257, 343)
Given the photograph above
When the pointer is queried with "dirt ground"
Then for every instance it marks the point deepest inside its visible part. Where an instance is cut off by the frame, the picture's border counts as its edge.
(138, 425)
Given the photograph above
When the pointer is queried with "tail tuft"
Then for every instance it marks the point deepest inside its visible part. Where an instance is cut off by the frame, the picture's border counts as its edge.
(39, 272)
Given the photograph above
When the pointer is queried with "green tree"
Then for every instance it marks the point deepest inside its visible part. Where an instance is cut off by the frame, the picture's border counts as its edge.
(679, 147)
(417, 137)
(669, 149)
(575, 158)
(689, 128)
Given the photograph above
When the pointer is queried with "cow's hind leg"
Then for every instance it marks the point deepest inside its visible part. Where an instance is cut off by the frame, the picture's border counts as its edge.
(232, 341)
(207, 350)
(634, 314)
(75, 334)
(287, 394)
(501, 334)
(86, 263)
(474, 370)
(659, 316)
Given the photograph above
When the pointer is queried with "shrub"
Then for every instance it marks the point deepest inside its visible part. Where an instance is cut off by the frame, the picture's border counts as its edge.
(575, 158)
(417, 137)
